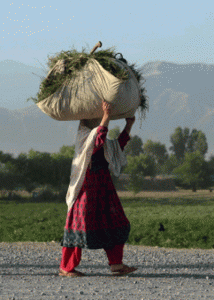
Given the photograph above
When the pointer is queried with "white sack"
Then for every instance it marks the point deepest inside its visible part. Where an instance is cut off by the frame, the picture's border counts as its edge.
(81, 97)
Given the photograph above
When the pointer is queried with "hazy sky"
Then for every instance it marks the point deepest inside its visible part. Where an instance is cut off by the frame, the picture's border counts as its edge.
(143, 31)
(180, 32)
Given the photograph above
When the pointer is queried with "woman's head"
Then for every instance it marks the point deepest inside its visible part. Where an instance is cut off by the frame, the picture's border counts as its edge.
(90, 123)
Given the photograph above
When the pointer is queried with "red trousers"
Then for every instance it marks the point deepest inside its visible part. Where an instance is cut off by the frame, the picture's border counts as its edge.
(71, 257)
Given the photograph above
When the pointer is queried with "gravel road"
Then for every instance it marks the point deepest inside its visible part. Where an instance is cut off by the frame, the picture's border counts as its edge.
(30, 271)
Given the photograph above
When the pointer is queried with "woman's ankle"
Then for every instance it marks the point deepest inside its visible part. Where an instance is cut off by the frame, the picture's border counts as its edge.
(67, 271)
(116, 267)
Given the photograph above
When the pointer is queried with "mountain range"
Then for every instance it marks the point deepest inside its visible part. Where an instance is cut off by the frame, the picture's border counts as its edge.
(179, 95)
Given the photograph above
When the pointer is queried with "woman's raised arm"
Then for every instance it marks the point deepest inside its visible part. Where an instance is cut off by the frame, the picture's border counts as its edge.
(129, 124)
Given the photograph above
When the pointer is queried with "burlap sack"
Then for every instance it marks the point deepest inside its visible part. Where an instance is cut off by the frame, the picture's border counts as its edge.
(81, 97)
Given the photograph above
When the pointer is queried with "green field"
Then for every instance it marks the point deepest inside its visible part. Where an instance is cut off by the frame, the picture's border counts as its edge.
(188, 221)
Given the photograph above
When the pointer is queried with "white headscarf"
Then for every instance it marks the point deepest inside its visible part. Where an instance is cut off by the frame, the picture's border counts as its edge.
(84, 146)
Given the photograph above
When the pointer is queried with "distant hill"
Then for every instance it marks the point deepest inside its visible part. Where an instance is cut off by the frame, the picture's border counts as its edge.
(17, 83)
(29, 128)
(179, 95)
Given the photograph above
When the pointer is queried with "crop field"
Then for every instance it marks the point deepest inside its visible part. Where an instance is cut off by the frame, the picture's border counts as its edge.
(181, 219)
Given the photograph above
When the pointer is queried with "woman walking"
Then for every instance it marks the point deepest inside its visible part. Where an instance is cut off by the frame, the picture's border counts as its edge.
(95, 218)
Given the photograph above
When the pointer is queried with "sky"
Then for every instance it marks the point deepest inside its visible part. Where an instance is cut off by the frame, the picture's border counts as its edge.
(143, 31)
(179, 32)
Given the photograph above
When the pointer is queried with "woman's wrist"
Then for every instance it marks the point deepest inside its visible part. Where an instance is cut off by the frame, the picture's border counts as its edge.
(105, 120)
(129, 123)
(128, 127)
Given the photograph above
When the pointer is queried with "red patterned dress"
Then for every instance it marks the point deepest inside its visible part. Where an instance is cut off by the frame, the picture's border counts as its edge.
(97, 219)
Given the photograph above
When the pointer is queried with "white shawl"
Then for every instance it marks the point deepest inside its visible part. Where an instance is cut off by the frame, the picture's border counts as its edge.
(84, 146)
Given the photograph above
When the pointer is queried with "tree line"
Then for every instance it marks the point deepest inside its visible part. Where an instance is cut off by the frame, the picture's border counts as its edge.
(186, 163)
(28, 171)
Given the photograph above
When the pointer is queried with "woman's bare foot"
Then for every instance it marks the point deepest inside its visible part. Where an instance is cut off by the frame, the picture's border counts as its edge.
(124, 270)
(116, 267)
(74, 273)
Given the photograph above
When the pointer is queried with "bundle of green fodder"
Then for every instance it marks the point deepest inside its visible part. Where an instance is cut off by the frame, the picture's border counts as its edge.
(77, 82)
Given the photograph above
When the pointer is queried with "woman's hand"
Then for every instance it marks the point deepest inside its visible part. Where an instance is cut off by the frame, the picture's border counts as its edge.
(130, 121)
(106, 115)
(106, 108)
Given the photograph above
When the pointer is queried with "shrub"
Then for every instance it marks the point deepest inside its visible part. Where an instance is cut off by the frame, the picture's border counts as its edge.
(62, 194)
(45, 194)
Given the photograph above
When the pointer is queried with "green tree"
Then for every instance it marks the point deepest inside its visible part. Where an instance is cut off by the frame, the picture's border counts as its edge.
(20, 164)
(39, 167)
(179, 139)
(114, 133)
(134, 146)
(211, 162)
(67, 151)
(61, 169)
(9, 177)
(138, 167)
(10, 167)
(183, 141)
(194, 172)
(157, 151)
(9, 181)
(197, 141)
(35, 168)
(170, 164)
(2, 166)
(29, 186)
(50, 169)
(21, 170)
(5, 157)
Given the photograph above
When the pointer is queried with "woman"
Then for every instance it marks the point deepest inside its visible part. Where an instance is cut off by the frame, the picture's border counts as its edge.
(96, 219)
